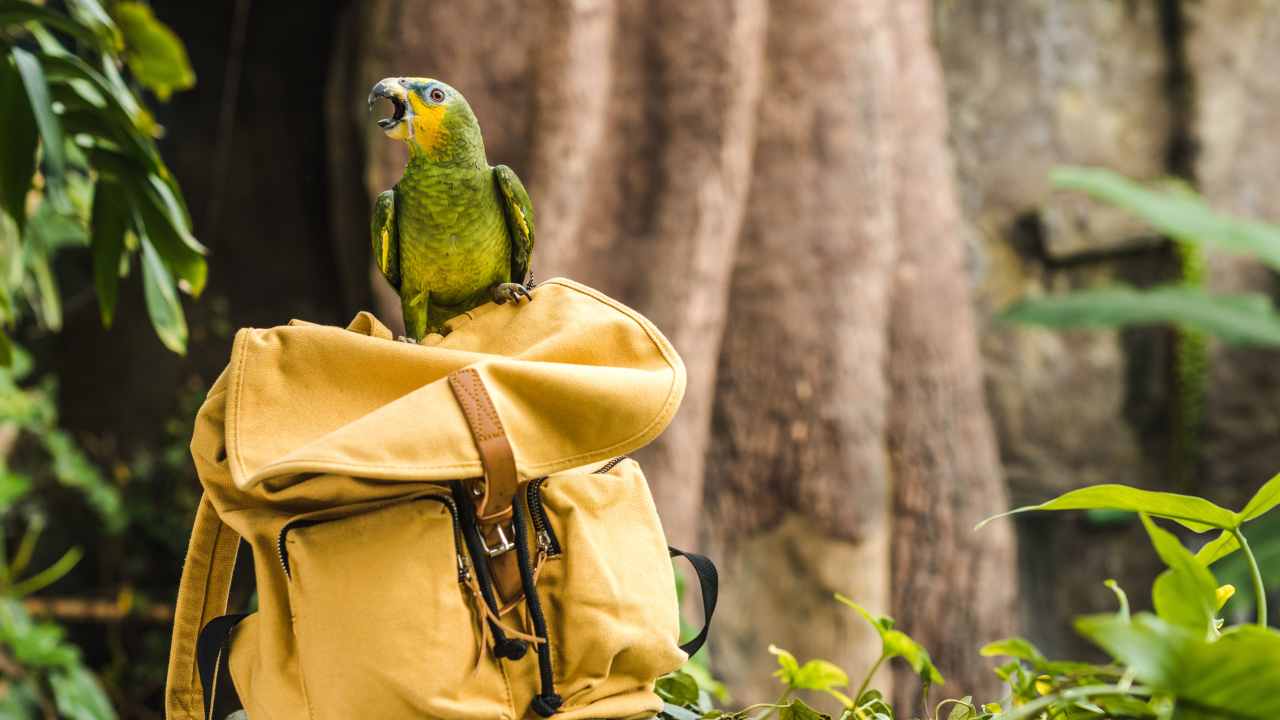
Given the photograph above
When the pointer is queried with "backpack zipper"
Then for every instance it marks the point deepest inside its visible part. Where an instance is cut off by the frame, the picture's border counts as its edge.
(609, 465)
(464, 570)
(548, 543)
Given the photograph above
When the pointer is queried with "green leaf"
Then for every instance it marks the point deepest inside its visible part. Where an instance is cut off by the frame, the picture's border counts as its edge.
(18, 149)
(17, 12)
(47, 576)
(896, 643)
(74, 470)
(798, 710)
(1186, 593)
(1192, 512)
(675, 712)
(1218, 548)
(1175, 213)
(1262, 502)
(46, 231)
(167, 228)
(813, 675)
(120, 116)
(92, 15)
(1014, 647)
(155, 54)
(1235, 675)
(162, 300)
(54, 148)
(109, 223)
(1241, 319)
(79, 696)
(1267, 497)
(677, 688)
(13, 487)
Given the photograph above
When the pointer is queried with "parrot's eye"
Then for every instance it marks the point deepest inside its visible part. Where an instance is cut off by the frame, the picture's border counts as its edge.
(436, 95)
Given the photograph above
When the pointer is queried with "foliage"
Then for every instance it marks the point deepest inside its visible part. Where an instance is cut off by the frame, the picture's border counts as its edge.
(79, 166)
(80, 174)
(1179, 213)
(1181, 662)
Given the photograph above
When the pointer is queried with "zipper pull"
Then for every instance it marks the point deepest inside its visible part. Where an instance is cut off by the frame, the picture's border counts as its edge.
(544, 542)
(464, 570)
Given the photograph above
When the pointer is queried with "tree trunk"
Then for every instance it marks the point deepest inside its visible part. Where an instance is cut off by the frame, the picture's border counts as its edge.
(736, 171)
(943, 455)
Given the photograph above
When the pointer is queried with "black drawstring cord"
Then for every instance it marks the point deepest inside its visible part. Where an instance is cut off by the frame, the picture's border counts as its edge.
(503, 646)
(547, 702)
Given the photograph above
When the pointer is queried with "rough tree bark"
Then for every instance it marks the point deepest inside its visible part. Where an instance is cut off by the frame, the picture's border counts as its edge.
(944, 461)
(752, 176)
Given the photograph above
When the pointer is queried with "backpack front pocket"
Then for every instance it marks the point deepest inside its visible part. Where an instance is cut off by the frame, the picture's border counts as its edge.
(607, 586)
(382, 613)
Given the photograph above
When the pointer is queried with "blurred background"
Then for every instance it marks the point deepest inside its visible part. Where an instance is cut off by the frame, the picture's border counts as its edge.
(825, 205)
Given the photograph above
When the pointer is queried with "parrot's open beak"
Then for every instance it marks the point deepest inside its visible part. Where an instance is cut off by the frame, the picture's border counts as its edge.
(390, 89)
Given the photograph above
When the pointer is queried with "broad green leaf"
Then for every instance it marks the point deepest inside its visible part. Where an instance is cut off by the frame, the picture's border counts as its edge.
(1175, 213)
(166, 226)
(963, 709)
(1218, 548)
(162, 300)
(1240, 319)
(677, 688)
(1186, 593)
(91, 14)
(119, 118)
(1014, 647)
(1260, 504)
(813, 675)
(20, 140)
(109, 223)
(1267, 497)
(33, 644)
(18, 12)
(1192, 512)
(53, 145)
(156, 56)
(79, 696)
(1235, 675)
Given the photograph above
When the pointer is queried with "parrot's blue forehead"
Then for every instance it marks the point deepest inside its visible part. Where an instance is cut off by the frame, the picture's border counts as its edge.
(428, 89)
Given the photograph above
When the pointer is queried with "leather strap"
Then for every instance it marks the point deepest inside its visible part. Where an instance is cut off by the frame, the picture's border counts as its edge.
(499, 462)
(202, 596)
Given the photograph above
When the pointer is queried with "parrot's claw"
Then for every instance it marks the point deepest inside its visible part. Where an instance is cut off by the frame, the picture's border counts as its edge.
(513, 292)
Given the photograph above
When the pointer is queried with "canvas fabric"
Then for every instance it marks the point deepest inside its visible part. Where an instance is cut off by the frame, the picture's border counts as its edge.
(332, 455)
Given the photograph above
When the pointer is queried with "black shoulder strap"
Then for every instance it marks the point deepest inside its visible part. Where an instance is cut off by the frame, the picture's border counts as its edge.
(709, 582)
(211, 660)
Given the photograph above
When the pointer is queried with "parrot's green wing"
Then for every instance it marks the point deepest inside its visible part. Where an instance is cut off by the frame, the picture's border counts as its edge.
(386, 240)
(519, 212)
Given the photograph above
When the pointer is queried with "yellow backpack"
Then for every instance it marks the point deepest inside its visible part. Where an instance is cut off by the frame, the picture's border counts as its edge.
(437, 530)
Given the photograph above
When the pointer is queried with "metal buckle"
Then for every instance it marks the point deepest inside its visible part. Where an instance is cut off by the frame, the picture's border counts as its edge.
(504, 544)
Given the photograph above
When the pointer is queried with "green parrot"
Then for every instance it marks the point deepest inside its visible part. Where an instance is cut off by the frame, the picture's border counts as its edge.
(455, 232)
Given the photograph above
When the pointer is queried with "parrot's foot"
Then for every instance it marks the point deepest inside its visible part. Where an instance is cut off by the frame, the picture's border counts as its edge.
(503, 292)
